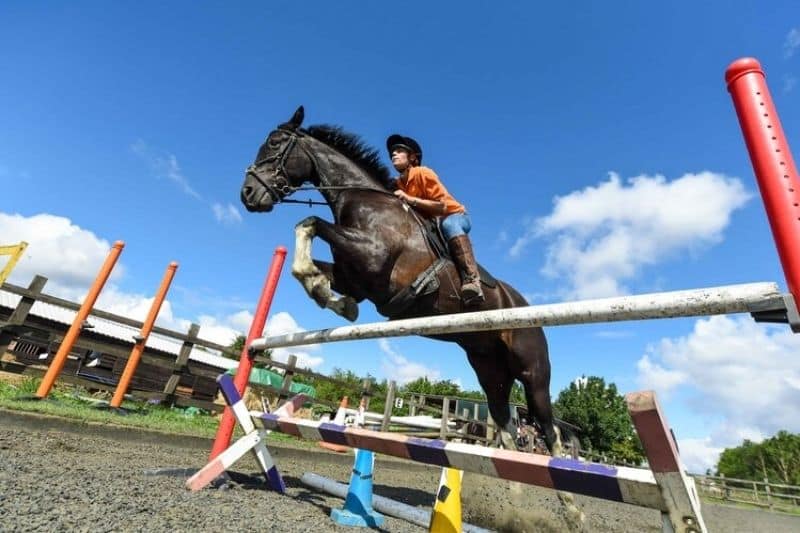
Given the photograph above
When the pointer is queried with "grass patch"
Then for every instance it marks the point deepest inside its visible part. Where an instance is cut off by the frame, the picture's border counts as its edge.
(76, 403)
(778, 505)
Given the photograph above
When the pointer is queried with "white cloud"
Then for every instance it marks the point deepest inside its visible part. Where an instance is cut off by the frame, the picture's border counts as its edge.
(241, 321)
(137, 306)
(227, 214)
(698, 455)
(744, 374)
(69, 256)
(164, 165)
(792, 43)
(400, 369)
(656, 377)
(216, 330)
(603, 235)
(282, 323)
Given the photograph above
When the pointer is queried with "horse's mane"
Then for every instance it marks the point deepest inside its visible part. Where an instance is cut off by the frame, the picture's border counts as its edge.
(355, 149)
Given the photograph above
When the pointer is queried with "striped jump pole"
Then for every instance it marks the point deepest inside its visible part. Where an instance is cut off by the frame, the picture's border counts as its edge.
(677, 502)
(253, 440)
(743, 298)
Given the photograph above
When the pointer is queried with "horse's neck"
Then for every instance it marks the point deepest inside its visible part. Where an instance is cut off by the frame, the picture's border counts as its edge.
(337, 175)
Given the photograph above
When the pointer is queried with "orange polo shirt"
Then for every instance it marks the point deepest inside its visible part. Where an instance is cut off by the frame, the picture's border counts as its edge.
(423, 182)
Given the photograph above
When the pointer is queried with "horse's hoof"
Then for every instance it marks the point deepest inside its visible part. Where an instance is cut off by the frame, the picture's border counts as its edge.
(350, 311)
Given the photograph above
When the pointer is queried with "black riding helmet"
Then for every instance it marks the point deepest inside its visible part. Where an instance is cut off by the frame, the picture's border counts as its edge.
(399, 141)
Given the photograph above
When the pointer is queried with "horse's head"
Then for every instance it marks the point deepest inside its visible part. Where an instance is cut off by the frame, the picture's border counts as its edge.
(280, 166)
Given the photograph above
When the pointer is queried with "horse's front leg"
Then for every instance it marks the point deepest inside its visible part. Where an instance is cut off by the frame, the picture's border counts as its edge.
(318, 281)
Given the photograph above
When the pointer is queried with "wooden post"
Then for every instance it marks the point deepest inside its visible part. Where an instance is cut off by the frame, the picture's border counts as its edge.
(387, 409)
(445, 415)
(20, 313)
(412, 405)
(366, 386)
(755, 490)
(768, 492)
(288, 373)
(181, 363)
(725, 488)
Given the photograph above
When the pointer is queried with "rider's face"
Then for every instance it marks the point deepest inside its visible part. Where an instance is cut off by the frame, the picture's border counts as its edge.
(400, 159)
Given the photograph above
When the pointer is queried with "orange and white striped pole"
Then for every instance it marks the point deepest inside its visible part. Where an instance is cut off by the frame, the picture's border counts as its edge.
(141, 339)
(75, 329)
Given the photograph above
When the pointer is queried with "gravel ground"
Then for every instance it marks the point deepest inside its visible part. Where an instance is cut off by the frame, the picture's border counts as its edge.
(62, 476)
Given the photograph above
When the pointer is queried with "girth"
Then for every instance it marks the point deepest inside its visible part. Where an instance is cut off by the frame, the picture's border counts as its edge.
(426, 283)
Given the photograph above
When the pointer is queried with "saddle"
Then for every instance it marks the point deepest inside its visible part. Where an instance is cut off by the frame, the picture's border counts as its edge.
(427, 281)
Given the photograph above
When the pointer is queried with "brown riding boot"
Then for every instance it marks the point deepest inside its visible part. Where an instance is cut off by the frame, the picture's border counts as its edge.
(461, 248)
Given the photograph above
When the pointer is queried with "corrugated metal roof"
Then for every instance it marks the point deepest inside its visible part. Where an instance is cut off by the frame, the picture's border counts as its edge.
(121, 332)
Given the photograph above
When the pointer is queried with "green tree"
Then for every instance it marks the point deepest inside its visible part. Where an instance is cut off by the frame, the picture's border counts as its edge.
(342, 383)
(474, 395)
(238, 344)
(601, 413)
(439, 388)
(782, 455)
(517, 393)
(776, 458)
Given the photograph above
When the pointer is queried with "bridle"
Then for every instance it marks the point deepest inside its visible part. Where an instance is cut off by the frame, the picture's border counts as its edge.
(281, 188)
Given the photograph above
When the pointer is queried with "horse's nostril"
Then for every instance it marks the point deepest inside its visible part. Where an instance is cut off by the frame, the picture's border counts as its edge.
(247, 192)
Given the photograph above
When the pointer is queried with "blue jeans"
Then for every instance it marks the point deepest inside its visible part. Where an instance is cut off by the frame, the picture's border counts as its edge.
(455, 225)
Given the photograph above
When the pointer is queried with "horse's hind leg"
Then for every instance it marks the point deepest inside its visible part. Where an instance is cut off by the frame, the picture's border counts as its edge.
(317, 282)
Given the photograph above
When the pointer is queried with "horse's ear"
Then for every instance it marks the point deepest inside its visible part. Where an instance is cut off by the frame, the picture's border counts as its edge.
(297, 118)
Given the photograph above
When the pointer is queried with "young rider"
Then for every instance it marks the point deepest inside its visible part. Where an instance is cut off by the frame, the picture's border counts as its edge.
(421, 188)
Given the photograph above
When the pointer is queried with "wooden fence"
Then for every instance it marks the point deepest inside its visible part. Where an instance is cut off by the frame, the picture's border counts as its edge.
(29, 340)
(767, 494)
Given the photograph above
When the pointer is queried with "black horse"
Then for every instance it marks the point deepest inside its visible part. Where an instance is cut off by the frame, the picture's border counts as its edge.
(380, 249)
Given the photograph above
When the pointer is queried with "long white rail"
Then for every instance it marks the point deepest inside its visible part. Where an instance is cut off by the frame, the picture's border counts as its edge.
(743, 298)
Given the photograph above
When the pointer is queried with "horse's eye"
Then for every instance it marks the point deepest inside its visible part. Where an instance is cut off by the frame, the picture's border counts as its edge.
(274, 142)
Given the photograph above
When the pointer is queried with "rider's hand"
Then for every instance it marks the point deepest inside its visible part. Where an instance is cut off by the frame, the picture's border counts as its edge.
(402, 195)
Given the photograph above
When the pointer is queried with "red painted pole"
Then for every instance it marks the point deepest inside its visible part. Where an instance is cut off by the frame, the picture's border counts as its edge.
(225, 430)
(772, 162)
(74, 331)
(141, 340)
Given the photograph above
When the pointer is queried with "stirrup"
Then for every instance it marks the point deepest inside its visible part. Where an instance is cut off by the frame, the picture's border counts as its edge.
(471, 296)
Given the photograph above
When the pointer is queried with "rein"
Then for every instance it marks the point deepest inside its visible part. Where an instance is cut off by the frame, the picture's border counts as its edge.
(311, 202)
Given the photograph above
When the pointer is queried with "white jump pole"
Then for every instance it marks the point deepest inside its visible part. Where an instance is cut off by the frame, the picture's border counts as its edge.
(743, 298)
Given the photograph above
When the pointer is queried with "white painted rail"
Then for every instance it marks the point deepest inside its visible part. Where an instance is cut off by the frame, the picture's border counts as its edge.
(728, 299)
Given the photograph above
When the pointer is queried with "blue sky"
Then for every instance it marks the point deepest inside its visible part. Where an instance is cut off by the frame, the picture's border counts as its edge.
(595, 146)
